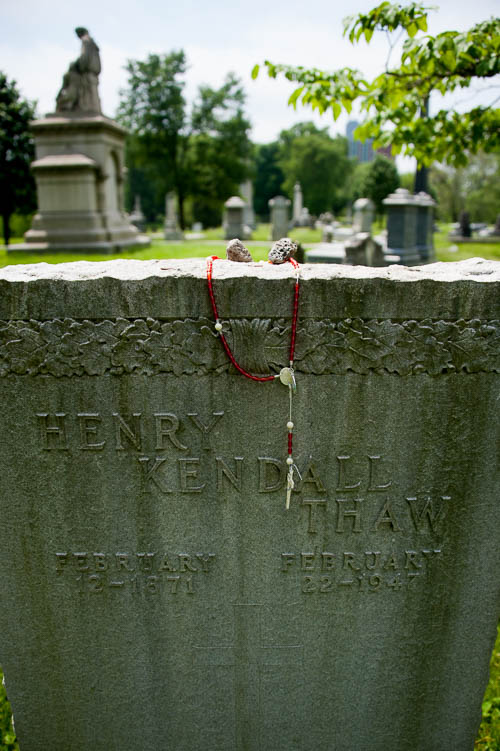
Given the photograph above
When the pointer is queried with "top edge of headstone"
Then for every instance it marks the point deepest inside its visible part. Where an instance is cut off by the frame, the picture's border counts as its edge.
(171, 288)
(472, 269)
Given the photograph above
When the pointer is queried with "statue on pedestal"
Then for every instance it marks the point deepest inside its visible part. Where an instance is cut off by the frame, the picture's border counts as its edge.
(79, 89)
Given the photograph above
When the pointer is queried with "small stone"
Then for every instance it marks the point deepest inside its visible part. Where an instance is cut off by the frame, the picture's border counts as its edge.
(236, 251)
(282, 250)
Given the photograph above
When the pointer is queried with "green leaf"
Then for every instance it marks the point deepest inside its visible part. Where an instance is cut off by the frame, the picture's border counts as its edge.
(337, 109)
(255, 71)
(412, 29)
(368, 34)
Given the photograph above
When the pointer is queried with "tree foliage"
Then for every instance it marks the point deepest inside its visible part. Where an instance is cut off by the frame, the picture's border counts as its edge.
(200, 153)
(376, 180)
(395, 101)
(317, 161)
(269, 176)
(17, 187)
(474, 188)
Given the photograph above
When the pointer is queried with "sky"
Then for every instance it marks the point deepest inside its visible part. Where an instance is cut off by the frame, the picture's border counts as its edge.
(37, 43)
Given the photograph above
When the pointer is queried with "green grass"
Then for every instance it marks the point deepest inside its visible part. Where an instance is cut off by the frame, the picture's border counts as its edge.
(488, 737)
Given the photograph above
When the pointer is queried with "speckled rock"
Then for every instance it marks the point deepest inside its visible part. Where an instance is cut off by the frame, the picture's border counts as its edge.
(282, 250)
(236, 251)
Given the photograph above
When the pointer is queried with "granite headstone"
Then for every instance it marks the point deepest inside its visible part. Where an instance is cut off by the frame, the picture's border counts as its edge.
(155, 592)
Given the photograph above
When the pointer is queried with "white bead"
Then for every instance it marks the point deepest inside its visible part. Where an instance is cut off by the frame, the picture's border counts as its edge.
(218, 326)
(289, 425)
(289, 461)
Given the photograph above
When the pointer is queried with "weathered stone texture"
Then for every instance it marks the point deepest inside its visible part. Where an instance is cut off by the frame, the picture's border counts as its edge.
(156, 594)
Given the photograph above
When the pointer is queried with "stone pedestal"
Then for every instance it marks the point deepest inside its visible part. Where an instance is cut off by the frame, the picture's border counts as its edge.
(79, 171)
(402, 209)
(280, 221)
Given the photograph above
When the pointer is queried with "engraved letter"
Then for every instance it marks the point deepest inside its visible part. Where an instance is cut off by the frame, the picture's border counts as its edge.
(264, 463)
(307, 561)
(386, 516)
(185, 563)
(134, 436)
(122, 561)
(355, 513)
(376, 556)
(205, 429)
(205, 559)
(311, 528)
(349, 559)
(81, 561)
(286, 560)
(146, 559)
(149, 469)
(57, 431)
(327, 561)
(309, 475)
(372, 484)
(61, 561)
(100, 563)
(342, 475)
(189, 468)
(411, 559)
(223, 469)
(88, 430)
(429, 510)
(169, 430)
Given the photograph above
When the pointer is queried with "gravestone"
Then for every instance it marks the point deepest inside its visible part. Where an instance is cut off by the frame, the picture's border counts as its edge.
(79, 169)
(280, 220)
(172, 232)
(298, 205)
(234, 227)
(402, 207)
(137, 218)
(425, 227)
(364, 212)
(246, 190)
(156, 594)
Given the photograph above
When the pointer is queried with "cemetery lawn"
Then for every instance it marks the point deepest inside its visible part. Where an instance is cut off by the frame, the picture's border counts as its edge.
(213, 243)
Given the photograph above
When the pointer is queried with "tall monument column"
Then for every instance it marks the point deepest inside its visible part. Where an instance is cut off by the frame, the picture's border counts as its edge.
(79, 168)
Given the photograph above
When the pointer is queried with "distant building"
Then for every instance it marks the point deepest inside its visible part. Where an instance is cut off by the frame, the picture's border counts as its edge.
(363, 152)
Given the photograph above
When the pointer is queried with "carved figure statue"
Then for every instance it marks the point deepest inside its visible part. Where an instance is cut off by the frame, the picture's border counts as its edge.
(79, 91)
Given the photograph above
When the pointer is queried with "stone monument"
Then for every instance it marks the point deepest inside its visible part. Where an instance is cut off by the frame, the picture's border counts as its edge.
(234, 226)
(280, 220)
(425, 227)
(402, 208)
(156, 593)
(137, 218)
(364, 213)
(79, 168)
(172, 231)
(246, 190)
(298, 205)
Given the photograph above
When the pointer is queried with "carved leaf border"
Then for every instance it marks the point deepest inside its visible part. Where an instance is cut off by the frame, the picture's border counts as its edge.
(146, 346)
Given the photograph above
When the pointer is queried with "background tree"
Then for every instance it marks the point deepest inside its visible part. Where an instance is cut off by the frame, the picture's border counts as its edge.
(17, 187)
(395, 102)
(219, 148)
(202, 154)
(320, 164)
(474, 188)
(376, 180)
(269, 176)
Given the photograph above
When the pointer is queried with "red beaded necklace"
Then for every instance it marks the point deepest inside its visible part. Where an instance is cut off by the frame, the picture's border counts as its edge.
(286, 375)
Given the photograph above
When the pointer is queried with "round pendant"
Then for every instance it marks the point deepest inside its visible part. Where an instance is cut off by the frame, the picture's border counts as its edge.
(287, 377)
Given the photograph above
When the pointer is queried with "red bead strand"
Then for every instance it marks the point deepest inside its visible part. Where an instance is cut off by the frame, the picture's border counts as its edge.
(238, 367)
